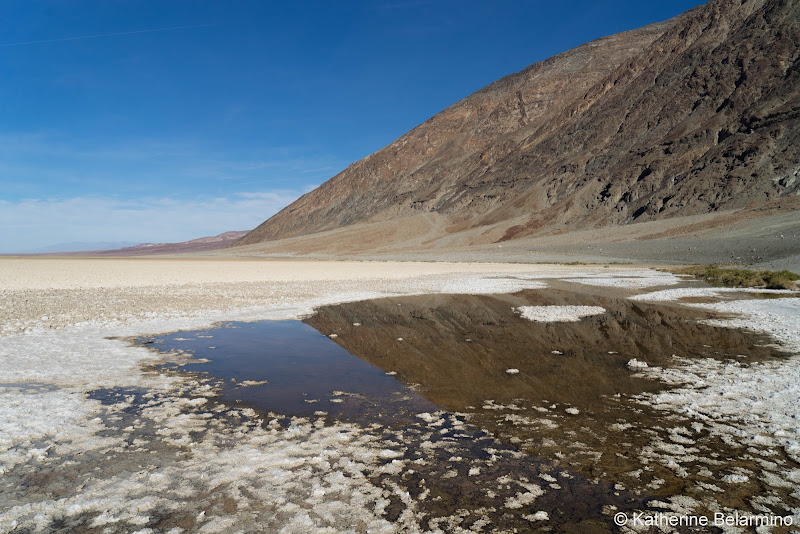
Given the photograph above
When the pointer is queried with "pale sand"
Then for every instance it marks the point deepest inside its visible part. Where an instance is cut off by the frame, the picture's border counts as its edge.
(61, 273)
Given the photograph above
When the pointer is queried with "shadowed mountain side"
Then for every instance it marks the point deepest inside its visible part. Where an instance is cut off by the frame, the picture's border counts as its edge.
(694, 115)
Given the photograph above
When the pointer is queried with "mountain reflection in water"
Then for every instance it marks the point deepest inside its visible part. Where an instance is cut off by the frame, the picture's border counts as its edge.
(458, 347)
(567, 421)
(573, 401)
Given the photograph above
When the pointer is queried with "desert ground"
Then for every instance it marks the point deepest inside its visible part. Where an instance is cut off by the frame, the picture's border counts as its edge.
(168, 455)
(764, 237)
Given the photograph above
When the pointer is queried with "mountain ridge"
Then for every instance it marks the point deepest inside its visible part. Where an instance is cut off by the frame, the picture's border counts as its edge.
(693, 115)
(200, 244)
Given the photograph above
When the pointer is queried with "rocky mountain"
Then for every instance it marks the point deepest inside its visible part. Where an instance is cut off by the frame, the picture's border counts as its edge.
(694, 115)
(77, 246)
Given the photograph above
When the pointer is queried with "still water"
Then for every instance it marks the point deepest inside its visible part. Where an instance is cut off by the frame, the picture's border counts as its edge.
(287, 367)
(432, 371)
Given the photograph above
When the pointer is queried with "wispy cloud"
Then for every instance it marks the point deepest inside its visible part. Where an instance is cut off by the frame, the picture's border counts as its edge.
(113, 34)
(58, 190)
(33, 223)
(45, 164)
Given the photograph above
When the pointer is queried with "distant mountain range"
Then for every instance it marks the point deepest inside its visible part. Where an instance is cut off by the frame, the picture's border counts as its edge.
(77, 246)
(202, 244)
(695, 115)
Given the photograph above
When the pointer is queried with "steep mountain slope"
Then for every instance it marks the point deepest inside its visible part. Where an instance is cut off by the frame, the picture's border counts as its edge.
(694, 115)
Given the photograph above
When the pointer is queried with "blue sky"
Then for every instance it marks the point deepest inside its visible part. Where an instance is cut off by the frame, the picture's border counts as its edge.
(143, 120)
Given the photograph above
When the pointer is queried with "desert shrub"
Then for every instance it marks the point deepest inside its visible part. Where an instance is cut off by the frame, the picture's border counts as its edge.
(733, 277)
(780, 279)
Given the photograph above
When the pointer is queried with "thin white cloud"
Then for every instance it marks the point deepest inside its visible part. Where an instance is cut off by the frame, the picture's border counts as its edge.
(32, 223)
(40, 164)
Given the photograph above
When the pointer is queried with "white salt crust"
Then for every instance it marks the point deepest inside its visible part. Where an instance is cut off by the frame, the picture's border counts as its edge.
(551, 314)
(631, 279)
(756, 404)
(306, 478)
(312, 475)
(666, 295)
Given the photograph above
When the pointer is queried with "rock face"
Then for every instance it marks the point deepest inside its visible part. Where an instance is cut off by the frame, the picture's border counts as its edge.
(697, 114)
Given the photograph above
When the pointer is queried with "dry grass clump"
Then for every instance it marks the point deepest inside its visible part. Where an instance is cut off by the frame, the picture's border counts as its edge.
(732, 277)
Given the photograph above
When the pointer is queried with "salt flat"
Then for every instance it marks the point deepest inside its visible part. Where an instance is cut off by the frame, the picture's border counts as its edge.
(56, 273)
(50, 293)
(184, 461)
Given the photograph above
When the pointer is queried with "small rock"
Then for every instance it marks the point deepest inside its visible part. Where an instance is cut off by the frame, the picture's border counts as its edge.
(636, 364)
(512, 371)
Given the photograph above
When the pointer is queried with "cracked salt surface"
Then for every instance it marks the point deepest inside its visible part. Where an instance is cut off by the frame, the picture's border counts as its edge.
(598, 433)
(179, 462)
(632, 279)
(756, 404)
(759, 402)
(169, 456)
(667, 295)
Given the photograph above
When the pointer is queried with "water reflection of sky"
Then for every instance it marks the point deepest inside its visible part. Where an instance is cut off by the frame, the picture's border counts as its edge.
(289, 368)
